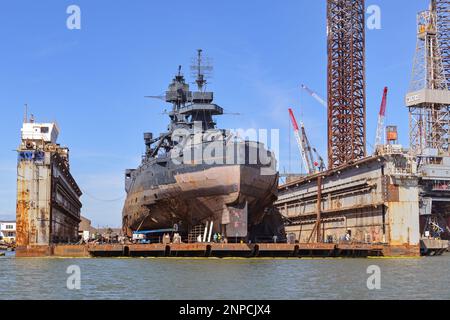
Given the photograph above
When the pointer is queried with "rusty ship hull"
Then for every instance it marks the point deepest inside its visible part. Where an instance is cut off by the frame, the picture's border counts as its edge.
(198, 194)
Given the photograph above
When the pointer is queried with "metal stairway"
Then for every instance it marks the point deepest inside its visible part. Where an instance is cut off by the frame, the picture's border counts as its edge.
(196, 231)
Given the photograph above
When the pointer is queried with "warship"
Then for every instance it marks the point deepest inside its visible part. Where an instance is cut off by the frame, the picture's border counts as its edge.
(195, 176)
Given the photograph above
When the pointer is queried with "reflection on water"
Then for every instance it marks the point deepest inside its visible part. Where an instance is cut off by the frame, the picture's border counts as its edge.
(425, 278)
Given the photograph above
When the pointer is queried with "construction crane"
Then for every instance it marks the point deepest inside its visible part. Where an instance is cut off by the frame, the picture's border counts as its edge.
(313, 164)
(315, 95)
(381, 118)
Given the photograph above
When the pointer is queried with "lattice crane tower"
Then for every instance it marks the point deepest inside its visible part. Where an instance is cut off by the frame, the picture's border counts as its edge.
(346, 81)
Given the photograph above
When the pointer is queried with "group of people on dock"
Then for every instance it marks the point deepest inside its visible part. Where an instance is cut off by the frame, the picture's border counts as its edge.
(216, 238)
(219, 238)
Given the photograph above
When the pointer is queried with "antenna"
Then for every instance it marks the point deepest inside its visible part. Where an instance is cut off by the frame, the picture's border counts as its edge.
(161, 97)
(201, 70)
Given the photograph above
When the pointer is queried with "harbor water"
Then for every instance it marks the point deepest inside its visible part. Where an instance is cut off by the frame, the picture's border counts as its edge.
(235, 279)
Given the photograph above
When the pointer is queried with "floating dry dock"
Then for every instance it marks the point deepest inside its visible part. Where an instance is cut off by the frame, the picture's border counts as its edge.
(375, 199)
(48, 197)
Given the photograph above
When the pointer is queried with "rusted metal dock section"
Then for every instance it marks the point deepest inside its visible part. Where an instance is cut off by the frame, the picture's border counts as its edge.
(378, 199)
(48, 197)
(372, 200)
(206, 250)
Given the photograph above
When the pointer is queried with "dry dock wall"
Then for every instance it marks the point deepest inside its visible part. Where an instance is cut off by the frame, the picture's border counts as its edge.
(48, 206)
(375, 199)
(64, 251)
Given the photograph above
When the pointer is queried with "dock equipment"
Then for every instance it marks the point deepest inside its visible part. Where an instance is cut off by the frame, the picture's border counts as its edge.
(146, 232)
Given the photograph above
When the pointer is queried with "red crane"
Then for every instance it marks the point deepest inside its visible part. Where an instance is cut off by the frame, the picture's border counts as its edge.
(312, 164)
(381, 116)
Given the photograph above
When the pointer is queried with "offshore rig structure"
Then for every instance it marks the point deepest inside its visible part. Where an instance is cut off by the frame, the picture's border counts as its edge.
(397, 197)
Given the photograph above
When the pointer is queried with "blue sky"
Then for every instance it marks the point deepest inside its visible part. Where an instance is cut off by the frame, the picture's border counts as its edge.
(92, 81)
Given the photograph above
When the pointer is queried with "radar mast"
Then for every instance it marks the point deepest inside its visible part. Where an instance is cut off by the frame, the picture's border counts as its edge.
(201, 69)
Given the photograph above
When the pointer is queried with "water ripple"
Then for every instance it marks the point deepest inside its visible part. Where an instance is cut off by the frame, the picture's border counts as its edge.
(198, 279)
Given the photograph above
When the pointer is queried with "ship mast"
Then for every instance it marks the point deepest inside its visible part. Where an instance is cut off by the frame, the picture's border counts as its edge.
(202, 69)
(201, 81)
